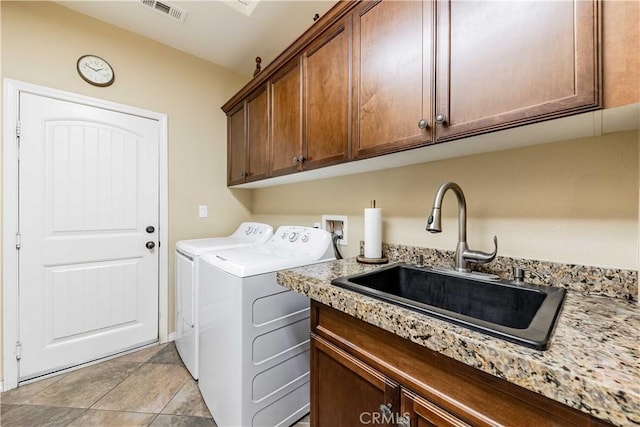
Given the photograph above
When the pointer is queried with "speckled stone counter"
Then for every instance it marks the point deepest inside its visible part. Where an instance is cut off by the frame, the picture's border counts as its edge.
(592, 364)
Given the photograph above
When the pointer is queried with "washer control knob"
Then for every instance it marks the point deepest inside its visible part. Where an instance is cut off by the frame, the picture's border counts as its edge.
(248, 231)
(305, 238)
(283, 235)
(294, 236)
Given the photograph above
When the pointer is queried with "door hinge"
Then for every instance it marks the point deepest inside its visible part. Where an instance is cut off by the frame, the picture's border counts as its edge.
(18, 128)
(18, 240)
(18, 350)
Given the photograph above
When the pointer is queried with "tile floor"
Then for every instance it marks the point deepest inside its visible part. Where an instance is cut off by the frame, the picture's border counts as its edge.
(150, 387)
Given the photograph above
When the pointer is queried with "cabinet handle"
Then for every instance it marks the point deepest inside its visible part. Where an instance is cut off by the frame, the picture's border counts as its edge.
(441, 119)
(404, 421)
(385, 410)
(423, 124)
(298, 159)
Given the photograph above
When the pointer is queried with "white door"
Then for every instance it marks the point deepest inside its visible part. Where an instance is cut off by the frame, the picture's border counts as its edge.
(88, 191)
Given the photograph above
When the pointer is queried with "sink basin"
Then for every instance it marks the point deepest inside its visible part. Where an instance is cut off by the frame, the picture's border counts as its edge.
(521, 313)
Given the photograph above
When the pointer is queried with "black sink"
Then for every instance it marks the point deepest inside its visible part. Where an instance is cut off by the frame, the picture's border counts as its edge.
(521, 313)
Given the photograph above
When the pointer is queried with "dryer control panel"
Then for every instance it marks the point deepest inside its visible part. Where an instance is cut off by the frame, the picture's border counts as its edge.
(253, 231)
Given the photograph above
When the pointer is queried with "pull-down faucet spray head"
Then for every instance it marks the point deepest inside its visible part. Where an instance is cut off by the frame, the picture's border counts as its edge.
(434, 225)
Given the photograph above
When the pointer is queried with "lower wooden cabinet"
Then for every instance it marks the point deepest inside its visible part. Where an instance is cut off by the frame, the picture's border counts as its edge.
(346, 391)
(363, 375)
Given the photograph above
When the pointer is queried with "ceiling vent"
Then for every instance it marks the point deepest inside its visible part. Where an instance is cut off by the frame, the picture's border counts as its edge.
(167, 9)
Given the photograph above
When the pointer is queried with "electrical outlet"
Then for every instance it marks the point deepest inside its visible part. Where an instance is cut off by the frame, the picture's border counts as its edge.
(337, 224)
(202, 211)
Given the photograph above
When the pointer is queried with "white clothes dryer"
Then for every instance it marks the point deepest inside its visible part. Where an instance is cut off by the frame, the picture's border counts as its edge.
(254, 333)
(188, 254)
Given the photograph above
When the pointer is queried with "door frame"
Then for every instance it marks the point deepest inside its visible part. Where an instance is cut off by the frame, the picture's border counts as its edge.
(10, 319)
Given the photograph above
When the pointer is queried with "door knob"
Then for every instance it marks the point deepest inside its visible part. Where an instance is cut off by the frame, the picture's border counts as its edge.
(150, 229)
(150, 245)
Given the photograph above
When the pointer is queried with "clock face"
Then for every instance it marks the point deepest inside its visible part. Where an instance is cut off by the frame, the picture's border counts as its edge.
(95, 70)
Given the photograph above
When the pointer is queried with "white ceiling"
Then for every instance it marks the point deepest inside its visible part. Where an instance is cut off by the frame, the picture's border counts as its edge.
(218, 31)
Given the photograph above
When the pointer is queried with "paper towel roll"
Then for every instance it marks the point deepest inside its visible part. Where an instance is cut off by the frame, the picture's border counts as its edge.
(373, 233)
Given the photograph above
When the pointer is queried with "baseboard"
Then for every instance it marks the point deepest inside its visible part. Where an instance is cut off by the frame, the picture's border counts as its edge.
(2, 386)
(171, 337)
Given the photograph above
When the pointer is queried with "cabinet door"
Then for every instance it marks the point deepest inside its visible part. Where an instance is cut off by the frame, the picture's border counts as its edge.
(422, 413)
(286, 119)
(327, 70)
(257, 136)
(502, 64)
(347, 392)
(236, 146)
(393, 56)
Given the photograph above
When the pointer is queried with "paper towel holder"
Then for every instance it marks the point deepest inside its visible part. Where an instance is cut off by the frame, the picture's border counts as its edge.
(364, 260)
(363, 249)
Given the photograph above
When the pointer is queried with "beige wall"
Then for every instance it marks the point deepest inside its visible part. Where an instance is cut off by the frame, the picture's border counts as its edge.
(571, 202)
(41, 43)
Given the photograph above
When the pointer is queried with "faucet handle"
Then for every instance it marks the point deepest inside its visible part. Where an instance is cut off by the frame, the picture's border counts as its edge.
(481, 257)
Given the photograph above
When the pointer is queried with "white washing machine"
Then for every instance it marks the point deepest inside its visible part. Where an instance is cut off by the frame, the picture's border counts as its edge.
(188, 253)
(254, 333)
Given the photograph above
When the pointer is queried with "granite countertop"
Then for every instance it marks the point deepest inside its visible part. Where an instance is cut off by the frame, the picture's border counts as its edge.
(592, 364)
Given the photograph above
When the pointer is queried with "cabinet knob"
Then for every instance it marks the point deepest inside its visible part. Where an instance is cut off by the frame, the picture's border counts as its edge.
(298, 159)
(295, 159)
(423, 124)
(385, 410)
(243, 174)
(441, 119)
(404, 421)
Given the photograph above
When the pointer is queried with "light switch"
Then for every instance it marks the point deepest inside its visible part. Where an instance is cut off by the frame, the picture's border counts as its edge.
(202, 211)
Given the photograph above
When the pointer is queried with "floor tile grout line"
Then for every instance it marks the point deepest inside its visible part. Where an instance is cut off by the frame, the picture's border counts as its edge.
(140, 365)
(174, 395)
(79, 415)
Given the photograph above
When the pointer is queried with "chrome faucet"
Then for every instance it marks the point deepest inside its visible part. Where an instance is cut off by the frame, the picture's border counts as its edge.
(464, 255)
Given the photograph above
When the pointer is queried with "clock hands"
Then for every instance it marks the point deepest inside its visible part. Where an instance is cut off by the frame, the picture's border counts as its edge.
(94, 69)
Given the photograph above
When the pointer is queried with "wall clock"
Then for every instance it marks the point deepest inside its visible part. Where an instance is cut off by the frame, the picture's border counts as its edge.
(95, 70)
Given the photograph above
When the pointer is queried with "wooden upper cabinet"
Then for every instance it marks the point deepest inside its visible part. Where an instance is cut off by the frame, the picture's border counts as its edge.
(620, 52)
(393, 76)
(286, 119)
(257, 136)
(236, 146)
(248, 139)
(327, 97)
(377, 77)
(501, 64)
